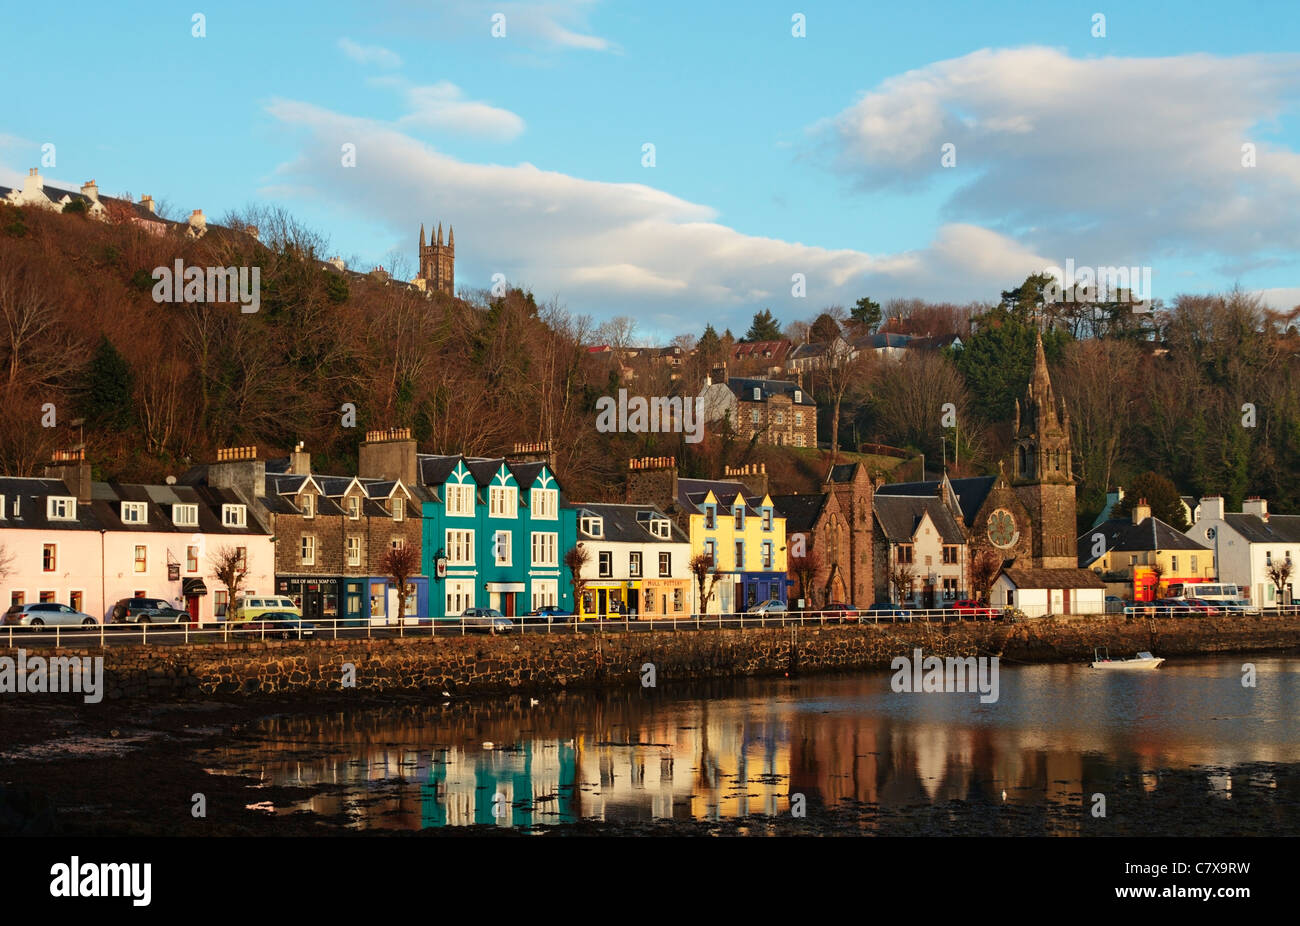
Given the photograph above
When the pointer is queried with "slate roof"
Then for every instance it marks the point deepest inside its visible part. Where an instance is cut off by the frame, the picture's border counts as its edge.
(1279, 528)
(744, 389)
(691, 494)
(971, 492)
(627, 523)
(104, 510)
(1053, 578)
(801, 511)
(774, 351)
(900, 516)
(1122, 535)
(434, 470)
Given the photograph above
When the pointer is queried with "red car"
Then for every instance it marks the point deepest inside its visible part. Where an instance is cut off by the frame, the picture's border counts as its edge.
(838, 611)
(972, 609)
(1201, 606)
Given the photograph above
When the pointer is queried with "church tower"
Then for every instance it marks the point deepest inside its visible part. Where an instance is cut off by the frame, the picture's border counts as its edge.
(438, 261)
(1042, 471)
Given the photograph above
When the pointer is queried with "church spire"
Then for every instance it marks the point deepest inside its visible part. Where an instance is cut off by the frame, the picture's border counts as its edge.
(439, 234)
(451, 237)
(421, 236)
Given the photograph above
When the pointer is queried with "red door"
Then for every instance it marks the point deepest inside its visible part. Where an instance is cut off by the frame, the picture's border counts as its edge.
(192, 605)
(508, 605)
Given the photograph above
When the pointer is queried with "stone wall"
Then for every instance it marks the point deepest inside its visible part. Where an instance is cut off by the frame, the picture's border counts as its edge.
(543, 662)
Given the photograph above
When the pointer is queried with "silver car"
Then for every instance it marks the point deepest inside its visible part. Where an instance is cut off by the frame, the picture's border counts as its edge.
(45, 613)
(488, 619)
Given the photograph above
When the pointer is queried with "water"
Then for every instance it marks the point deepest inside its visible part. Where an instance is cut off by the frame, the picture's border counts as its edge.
(743, 748)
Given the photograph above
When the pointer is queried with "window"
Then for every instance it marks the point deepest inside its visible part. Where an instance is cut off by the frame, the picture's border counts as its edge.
(191, 559)
(740, 555)
(399, 509)
(780, 417)
(309, 505)
(460, 549)
(905, 553)
(76, 599)
(754, 416)
(545, 546)
(185, 515)
(141, 558)
(460, 500)
(545, 504)
(220, 599)
(59, 508)
(767, 519)
(798, 418)
(711, 551)
(2, 506)
(593, 526)
(798, 440)
(1173, 565)
(501, 547)
(397, 543)
(50, 557)
(354, 550)
(758, 394)
(48, 598)
(634, 565)
(665, 565)
(503, 501)
(949, 589)
(234, 515)
(17, 598)
(710, 517)
(241, 558)
(308, 550)
(677, 599)
(739, 512)
(950, 554)
(606, 564)
(354, 507)
(460, 595)
(767, 555)
(546, 593)
(660, 527)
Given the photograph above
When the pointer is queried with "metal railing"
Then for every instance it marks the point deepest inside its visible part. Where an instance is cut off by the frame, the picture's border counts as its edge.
(350, 628)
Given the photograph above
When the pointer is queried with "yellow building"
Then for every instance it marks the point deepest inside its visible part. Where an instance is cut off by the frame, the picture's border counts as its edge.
(1140, 557)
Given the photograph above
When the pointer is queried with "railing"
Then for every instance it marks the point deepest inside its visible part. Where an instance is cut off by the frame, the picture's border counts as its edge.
(347, 628)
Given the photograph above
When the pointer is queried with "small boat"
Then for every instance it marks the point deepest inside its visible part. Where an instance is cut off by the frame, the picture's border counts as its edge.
(1143, 660)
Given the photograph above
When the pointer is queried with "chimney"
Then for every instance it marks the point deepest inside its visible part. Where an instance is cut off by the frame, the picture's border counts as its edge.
(147, 202)
(90, 190)
(652, 481)
(719, 374)
(752, 475)
(299, 461)
(71, 467)
(535, 452)
(1141, 511)
(198, 224)
(34, 182)
(1256, 506)
(388, 453)
(1212, 508)
(239, 468)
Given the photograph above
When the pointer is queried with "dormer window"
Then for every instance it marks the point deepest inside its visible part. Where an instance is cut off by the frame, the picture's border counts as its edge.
(354, 507)
(399, 509)
(185, 515)
(309, 505)
(593, 526)
(767, 519)
(134, 513)
(59, 508)
(710, 517)
(661, 528)
(234, 515)
(798, 396)
(503, 501)
(2, 507)
(758, 393)
(739, 512)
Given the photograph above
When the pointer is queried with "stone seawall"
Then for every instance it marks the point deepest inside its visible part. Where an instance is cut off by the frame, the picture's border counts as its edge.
(535, 663)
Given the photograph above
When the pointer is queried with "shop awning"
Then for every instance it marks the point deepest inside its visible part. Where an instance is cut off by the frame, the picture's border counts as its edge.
(505, 586)
(193, 587)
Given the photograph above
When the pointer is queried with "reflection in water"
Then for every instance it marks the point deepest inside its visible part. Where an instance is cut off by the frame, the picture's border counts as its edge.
(735, 749)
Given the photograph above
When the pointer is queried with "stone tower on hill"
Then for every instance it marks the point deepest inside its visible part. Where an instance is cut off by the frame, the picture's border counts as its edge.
(1042, 473)
(438, 262)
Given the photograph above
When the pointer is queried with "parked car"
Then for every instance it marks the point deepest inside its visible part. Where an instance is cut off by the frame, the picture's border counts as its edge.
(142, 610)
(970, 608)
(42, 613)
(838, 611)
(884, 611)
(283, 624)
(771, 606)
(1200, 606)
(549, 614)
(1114, 604)
(251, 607)
(1160, 607)
(488, 620)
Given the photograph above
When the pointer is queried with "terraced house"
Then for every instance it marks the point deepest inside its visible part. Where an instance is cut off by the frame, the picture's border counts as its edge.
(495, 529)
(735, 522)
(331, 533)
(638, 562)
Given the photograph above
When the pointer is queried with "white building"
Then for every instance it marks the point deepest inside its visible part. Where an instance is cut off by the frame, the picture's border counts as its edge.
(639, 562)
(1247, 543)
(1039, 592)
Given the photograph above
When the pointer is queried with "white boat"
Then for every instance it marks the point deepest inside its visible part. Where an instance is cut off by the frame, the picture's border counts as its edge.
(1143, 660)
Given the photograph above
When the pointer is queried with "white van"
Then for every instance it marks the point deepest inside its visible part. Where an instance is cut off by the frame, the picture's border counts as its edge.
(1229, 597)
(253, 606)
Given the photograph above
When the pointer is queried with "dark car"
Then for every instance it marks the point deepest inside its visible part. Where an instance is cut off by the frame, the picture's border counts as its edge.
(148, 611)
(283, 624)
(884, 611)
(1202, 608)
(549, 614)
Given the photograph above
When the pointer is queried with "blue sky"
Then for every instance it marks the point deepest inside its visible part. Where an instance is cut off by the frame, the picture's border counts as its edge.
(774, 155)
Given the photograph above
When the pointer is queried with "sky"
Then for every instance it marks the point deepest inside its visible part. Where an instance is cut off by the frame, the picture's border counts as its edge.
(1166, 137)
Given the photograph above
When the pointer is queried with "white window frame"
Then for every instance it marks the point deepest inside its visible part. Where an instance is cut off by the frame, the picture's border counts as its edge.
(234, 515)
(665, 565)
(545, 546)
(545, 592)
(458, 541)
(354, 549)
(503, 501)
(307, 550)
(605, 564)
(135, 513)
(399, 509)
(545, 504)
(634, 564)
(464, 497)
(197, 565)
(593, 525)
(354, 507)
(60, 508)
(185, 515)
(135, 559)
(308, 505)
(499, 548)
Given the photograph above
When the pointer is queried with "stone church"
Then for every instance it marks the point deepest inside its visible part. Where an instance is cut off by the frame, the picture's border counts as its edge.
(437, 263)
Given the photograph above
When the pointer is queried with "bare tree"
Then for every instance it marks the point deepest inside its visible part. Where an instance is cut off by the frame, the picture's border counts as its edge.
(837, 370)
(6, 562)
(902, 576)
(701, 566)
(806, 568)
(985, 563)
(400, 563)
(576, 559)
(1157, 570)
(230, 568)
(1279, 571)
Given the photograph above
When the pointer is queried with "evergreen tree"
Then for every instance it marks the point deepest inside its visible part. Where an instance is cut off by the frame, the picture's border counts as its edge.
(106, 394)
(867, 314)
(765, 327)
(1161, 494)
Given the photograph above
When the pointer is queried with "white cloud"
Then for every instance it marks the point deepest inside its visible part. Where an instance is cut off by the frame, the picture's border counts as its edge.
(618, 248)
(1107, 160)
(552, 24)
(443, 106)
(370, 54)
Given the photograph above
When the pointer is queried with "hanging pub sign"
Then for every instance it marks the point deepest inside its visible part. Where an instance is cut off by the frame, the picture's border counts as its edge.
(173, 572)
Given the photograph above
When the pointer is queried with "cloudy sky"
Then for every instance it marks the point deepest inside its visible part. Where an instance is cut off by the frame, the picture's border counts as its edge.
(930, 149)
